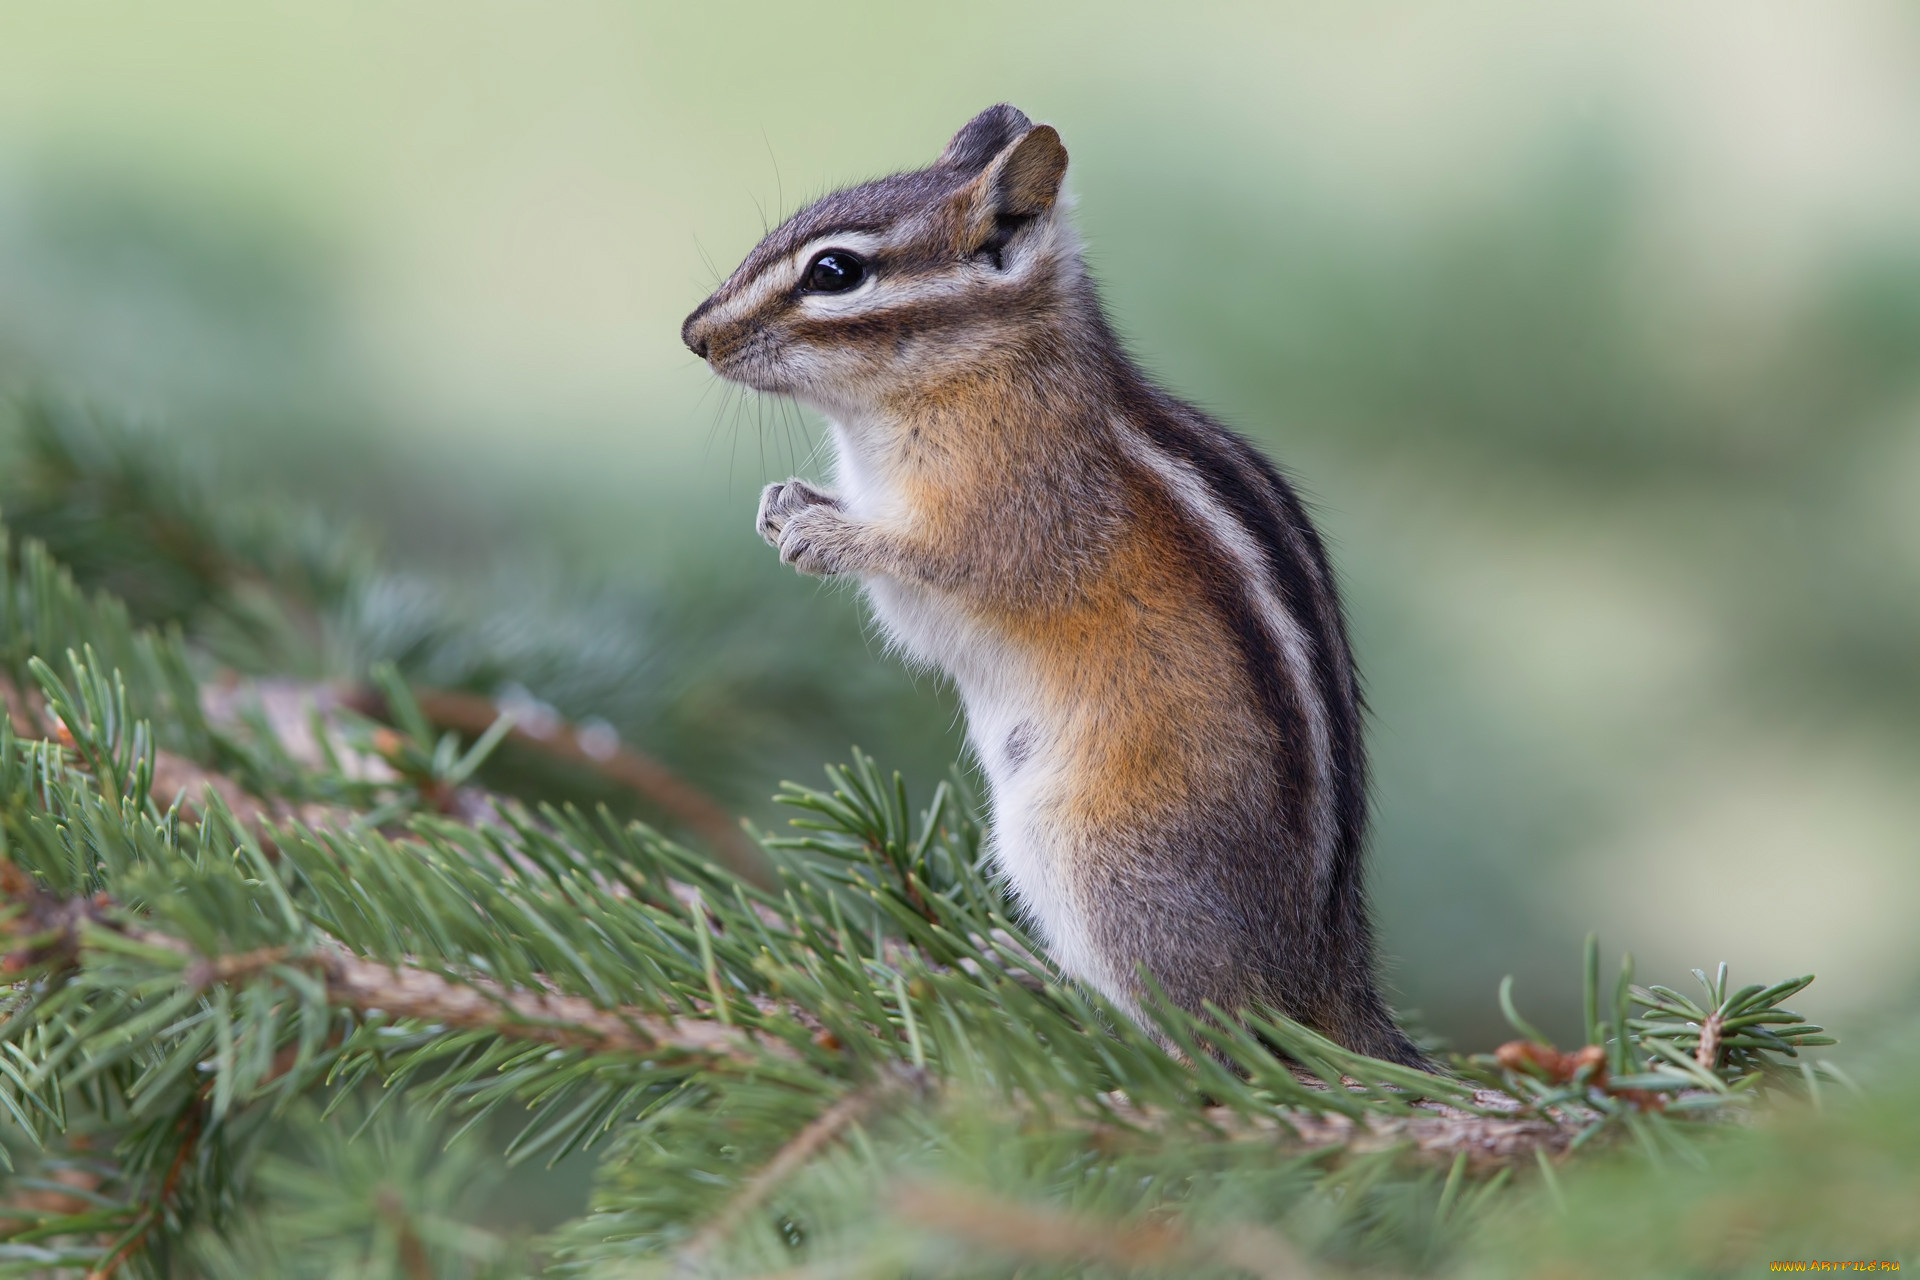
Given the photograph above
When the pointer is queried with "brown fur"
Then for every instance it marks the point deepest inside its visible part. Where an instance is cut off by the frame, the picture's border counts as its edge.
(1138, 612)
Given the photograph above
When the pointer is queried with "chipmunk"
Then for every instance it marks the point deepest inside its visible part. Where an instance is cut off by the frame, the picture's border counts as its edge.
(1137, 613)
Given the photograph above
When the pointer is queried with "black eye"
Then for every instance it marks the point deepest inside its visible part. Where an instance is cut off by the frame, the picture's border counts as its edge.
(834, 271)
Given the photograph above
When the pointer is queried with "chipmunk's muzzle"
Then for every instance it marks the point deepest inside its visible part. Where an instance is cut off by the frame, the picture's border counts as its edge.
(710, 334)
(739, 351)
(696, 332)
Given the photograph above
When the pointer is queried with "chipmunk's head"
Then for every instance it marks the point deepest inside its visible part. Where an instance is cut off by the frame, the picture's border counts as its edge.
(897, 283)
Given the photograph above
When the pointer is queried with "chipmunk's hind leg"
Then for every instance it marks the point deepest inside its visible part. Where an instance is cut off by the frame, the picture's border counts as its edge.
(1191, 945)
(1197, 955)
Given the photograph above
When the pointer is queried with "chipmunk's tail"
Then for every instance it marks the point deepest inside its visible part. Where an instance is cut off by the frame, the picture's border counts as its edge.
(1389, 1043)
(1366, 1025)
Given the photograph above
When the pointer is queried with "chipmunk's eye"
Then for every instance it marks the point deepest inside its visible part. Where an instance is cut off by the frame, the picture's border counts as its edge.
(834, 271)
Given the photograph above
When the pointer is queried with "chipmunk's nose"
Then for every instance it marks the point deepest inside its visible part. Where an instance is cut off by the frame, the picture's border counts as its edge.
(695, 334)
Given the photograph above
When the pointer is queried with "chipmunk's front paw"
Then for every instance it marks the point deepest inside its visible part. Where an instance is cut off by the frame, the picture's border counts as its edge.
(780, 502)
(802, 522)
(812, 538)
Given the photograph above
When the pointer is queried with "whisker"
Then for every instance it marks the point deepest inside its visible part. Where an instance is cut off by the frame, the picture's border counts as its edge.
(779, 187)
(707, 258)
(803, 454)
(733, 448)
(814, 443)
(760, 430)
(719, 413)
(783, 418)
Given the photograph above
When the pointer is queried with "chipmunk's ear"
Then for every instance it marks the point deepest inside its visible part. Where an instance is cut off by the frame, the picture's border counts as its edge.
(984, 137)
(1019, 184)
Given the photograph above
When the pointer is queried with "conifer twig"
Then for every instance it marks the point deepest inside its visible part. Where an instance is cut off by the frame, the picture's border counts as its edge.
(175, 777)
(1436, 1137)
(566, 1022)
(178, 778)
(801, 1148)
(1708, 1052)
(1024, 1231)
(472, 715)
(58, 927)
(415, 1263)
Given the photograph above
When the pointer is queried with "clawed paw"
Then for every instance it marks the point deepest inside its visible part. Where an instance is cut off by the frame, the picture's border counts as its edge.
(799, 520)
(779, 502)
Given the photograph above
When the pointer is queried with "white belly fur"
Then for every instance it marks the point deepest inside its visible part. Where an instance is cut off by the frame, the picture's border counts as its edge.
(1001, 696)
(1000, 693)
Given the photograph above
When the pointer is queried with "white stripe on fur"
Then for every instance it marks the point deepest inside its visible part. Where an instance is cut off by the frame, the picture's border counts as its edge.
(1189, 489)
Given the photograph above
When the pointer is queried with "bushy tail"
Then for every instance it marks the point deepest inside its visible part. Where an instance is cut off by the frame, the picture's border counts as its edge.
(1368, 1027)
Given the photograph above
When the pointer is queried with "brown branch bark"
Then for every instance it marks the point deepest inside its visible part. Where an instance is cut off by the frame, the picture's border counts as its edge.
(56, 928)
(472, 715)
(476, 1004)
(26, 713)
(1435, 1134)
(1707, 1053)
(175, 777)
(803, 1146)
(1026, 1232)
(415, 1262)
(178, 778)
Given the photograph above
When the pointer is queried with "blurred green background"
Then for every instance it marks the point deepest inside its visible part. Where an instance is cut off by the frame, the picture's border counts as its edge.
(1592, 329)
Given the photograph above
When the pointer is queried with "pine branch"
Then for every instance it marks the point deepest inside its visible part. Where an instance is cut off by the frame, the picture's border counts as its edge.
(56, 934)
(566, 1022)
